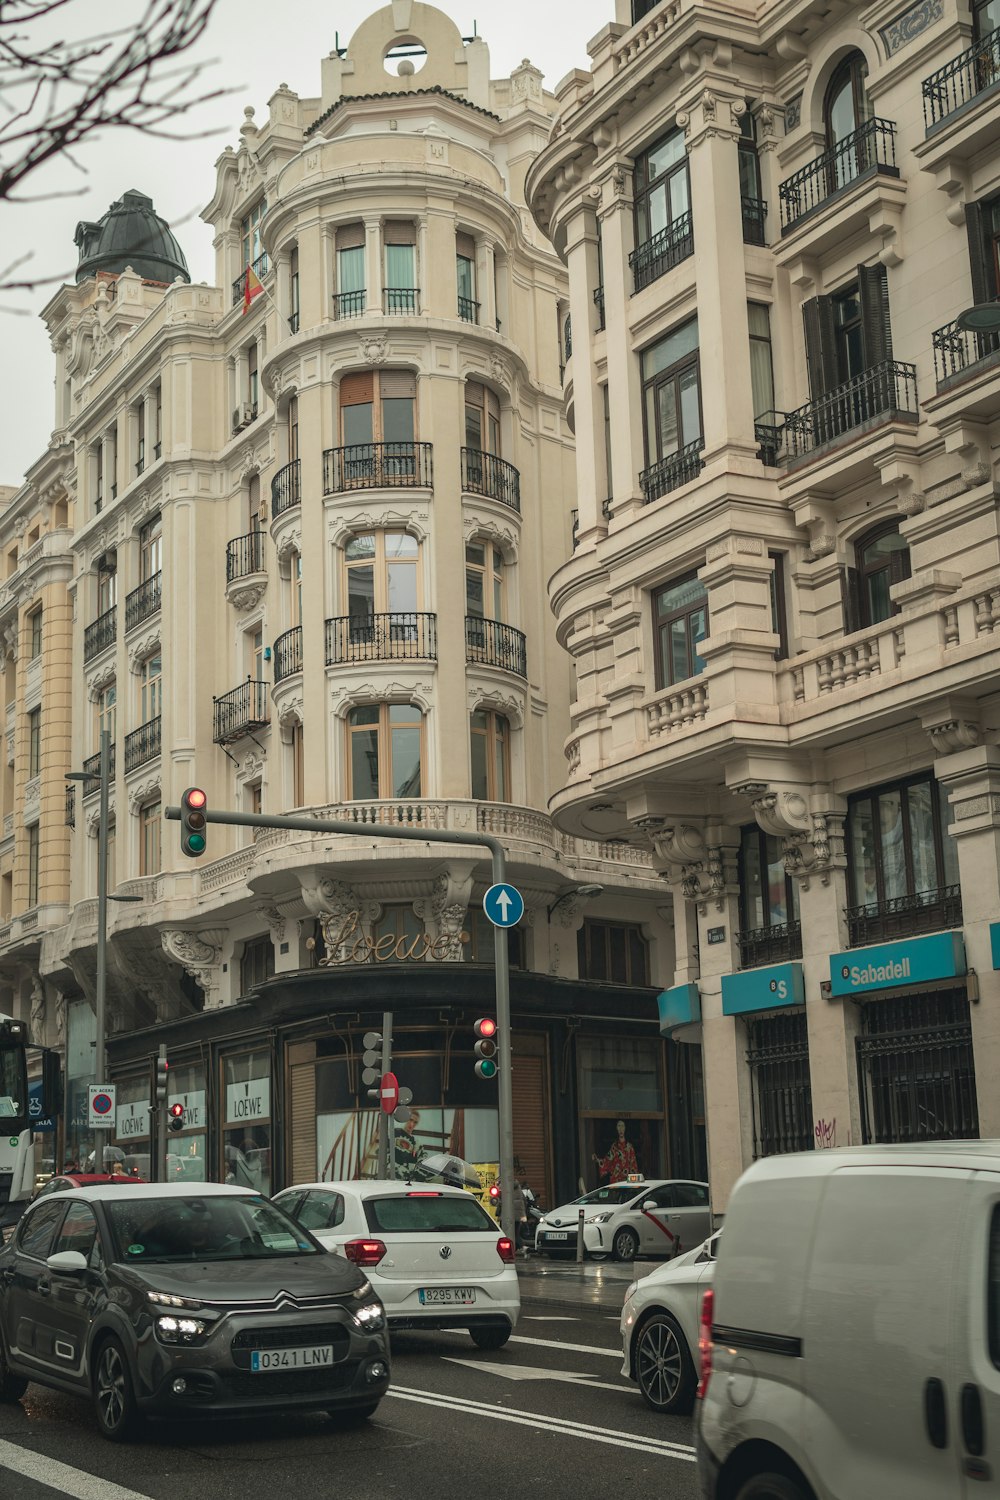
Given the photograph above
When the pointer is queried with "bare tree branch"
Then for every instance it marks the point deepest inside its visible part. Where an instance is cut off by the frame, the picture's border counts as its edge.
(58, 93)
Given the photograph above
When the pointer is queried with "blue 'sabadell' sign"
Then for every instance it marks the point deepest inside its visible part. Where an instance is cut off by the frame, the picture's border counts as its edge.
(762, 989)
(995, 943)
(940, 955)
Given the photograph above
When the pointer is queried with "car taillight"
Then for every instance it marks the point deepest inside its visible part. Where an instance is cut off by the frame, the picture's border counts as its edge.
(505, 1250)
(705, 1341)
(364, 1252)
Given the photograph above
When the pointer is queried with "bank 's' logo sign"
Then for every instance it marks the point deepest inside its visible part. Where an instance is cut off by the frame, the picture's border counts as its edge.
(779, 988)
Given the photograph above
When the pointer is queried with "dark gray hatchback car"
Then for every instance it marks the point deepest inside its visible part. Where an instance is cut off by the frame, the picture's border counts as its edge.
(183, 1300)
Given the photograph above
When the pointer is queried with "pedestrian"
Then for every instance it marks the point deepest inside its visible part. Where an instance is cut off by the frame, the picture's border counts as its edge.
(72, 1165)
(520, 1208)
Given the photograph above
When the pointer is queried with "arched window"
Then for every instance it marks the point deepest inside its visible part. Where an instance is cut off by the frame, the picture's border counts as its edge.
(883, 558)
(385, 750)
(846, 109)
(489, 735)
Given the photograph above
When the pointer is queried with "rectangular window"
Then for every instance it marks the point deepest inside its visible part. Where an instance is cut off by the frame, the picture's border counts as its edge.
(769, 902)
(256, 964)
(400, 268)
(490, 736)
(680, 624)
(106, 711)
(251, 243)
(608, 481)
(150, 689)
(671, 396)
(298, 767)
(902, 861)
(150, 549)
(253, 388)
(779, 616)
(293, 290)
(247, 1138)
(35, 632)
(157, 421)
(465, 275)
(385, 751)
(662, 187)
(613, 951)
(34, 742)
(107, 585)
(482, 418)
(149, 838)
(349, 300)
(33, 862)
(293, 429)
(140, 436)
(761, 367)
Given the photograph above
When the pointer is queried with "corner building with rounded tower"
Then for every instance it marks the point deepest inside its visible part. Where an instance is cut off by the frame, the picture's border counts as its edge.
(782, 601)
(314, 509)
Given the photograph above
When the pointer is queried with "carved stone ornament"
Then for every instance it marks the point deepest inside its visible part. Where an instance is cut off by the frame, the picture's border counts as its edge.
(252, 767)
(37, 1011)
(275, 921)
(952, 735)
(94, 818)
(249, 464)
(140, 651)
(143, 793)
(704, 872)
(102, 678)
(373, 348)
(248, 597)
(812, 843)
(198, 953)
(290, 712)
(449, 905)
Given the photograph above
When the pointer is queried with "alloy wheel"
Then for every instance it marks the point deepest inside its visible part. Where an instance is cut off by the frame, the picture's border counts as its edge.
(659, 1364)
(111, 1390)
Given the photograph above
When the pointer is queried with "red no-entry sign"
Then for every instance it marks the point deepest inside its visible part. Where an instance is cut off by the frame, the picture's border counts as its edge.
(388, 1093)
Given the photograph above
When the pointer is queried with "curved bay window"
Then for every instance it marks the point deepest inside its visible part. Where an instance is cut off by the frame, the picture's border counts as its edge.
(382, 581)
(489, 735)
(482, 418)
(484, 580)
(671, 402)
(680, 624)
(902, 862)
(385, 743)
(846, 109)
(378, 427)
(770, 930)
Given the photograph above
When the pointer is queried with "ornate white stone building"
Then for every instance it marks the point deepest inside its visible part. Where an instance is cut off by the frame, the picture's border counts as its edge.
(784, 601)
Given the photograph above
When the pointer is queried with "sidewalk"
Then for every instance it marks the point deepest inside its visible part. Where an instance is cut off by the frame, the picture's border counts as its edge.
(590, 1285)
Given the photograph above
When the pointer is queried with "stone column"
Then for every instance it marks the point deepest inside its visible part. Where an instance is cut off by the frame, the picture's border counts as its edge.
(373, 265)
(485, 284)
(582, 262)
(624, 385)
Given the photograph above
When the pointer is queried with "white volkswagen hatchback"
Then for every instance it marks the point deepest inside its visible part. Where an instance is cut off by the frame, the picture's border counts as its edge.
(432, 1254)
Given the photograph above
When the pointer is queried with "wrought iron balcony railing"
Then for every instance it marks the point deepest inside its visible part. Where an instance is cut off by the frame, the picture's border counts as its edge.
(905, 916)
(349, 304)
(670, 473)
(468, 310)
(486, 474)
(495, 644)
(568, 338)
(143, 744)
(957, 350)
(377, 466)
(244, 555)
(246, 708)
(71, 805)
(870, 148)
(260, 268)
(886, 390)
(400, 299)
(143, 601)
(599, 304)
(754, 217)
(101, 634)
(288, 653)
(962, 80)
(92, 766)
(770, 945)
(286, 487)
(403, 634)
(665, 250)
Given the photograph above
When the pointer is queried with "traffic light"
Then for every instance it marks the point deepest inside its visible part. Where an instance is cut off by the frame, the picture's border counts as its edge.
(161, 1080)
(494, 1195)
(486, 1047)
(194, 804)
(372, 1060)
(175, 1117)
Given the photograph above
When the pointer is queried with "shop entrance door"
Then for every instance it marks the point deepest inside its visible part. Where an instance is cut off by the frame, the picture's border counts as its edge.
(532, 1119)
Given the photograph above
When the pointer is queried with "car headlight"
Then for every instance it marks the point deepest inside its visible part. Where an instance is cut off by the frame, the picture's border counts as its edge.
(363, 1292)
(630, 1290)
(371, 1317)
(167, 1299)
(179, 1330)
(600, 1218)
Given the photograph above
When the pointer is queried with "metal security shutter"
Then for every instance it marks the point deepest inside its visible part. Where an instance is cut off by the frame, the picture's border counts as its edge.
(530, 1092)
(350, 236)
(873, 294)
(302, 1121)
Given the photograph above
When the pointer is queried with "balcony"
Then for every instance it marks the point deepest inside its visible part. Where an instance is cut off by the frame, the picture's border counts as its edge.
(71, 806)
(92, 767)
(260, 268)
(244, 556)
(664, 251)
(886, 391)
(770, 945)
(904, 916)
(486, 474)
(671, 472)
(754, 211)
(399, 300)
(956, 350)
(495, 645)
(867, 151)
(101, 634)
(348, 304)
(142, 744)
(405, 635)
(286, 487)
(143, 601)
(246, 708)
(377, 466)
(958, 83)
(599, 304)
(468, 310)
(288, 654)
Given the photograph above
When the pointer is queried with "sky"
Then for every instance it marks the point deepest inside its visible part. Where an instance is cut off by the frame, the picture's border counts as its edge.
(253, 45)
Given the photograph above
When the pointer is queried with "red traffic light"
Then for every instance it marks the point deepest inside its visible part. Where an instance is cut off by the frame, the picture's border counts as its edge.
(486, 1026)
(495, 1192)
(175, 1111)
(195, 797)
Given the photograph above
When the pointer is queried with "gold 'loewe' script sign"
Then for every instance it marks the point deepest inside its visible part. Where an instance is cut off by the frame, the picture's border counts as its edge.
(351, 945)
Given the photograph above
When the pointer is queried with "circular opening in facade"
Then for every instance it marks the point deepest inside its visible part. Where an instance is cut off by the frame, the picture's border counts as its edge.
(405, 58)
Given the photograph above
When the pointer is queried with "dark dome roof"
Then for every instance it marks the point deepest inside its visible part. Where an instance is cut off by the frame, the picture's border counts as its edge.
(131, 233)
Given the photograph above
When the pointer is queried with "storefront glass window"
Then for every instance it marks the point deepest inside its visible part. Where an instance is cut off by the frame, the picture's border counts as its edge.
(247, 1133)
(129, 1146)
(186, 1148)
(619, 1073)
(79, 1076)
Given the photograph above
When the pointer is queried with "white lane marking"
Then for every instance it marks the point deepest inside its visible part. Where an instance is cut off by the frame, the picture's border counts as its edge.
(519, 1338)
(533, 1372)
(637, 1444)
(545, 1318)
(69, 1481)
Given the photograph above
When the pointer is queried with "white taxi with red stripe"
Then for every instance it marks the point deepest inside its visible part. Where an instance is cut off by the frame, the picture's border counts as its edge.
(660, 1216)
(432, 1254)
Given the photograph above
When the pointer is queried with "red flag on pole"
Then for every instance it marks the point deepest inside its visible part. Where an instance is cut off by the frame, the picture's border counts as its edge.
(252, 287)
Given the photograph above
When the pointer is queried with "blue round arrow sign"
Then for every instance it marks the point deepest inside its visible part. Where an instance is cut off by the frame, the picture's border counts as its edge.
(504, 905)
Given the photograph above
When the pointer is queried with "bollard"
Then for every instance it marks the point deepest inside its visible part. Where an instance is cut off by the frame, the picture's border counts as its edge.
(579, 1238)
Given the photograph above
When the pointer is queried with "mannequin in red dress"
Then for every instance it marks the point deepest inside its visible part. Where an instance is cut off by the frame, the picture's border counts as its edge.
(620, 1160)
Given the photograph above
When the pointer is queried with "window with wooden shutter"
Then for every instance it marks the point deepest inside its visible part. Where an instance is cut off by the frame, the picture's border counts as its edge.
(873, 293)
(850, 595)
(982, 222)
(821, 345)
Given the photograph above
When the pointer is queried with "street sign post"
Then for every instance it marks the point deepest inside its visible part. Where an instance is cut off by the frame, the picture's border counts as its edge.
(388, 1093)
(504, 905)
(101, 1106)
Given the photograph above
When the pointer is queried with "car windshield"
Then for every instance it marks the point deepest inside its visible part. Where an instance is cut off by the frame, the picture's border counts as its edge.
(615, 1194)
(222, 1228)
(427, 1213)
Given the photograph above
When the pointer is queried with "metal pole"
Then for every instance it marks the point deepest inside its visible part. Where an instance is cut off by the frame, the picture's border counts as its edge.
(386, 1164)
(100, 1003)
(505, 1099)
(161, 1127)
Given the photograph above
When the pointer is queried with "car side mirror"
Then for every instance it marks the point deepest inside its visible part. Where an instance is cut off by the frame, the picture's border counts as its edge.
(70, 1262)
(649, 1205)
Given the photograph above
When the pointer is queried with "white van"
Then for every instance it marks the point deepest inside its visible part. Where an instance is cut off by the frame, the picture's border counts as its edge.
(851, 1339)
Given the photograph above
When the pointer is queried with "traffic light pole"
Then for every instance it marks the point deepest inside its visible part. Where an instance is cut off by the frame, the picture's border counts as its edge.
(385, 1151)
(505, 1098)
